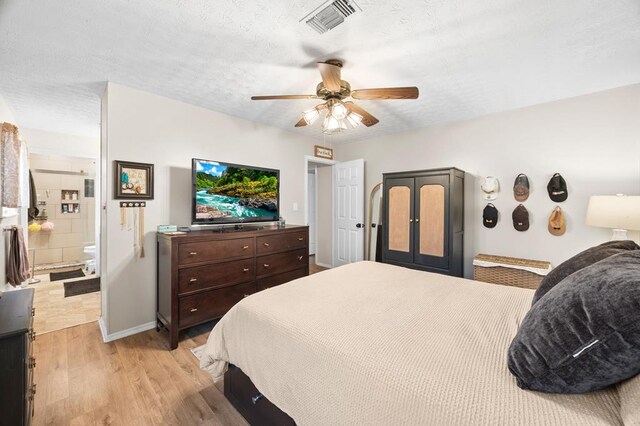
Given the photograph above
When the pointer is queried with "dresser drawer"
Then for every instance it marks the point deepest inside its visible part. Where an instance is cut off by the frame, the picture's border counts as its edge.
(274, 280)
(273, 243)
(190, 253)
(281, 262)
(216, 275)
(211, 304)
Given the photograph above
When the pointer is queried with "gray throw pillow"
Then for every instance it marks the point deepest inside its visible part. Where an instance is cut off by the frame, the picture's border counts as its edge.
(579, 261)
(584, 335)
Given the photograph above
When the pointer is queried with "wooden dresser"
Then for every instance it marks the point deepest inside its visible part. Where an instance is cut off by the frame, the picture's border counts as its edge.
(17, 389)
(202, 274)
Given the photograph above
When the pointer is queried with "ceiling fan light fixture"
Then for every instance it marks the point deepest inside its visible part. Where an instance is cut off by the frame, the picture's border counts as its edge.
(339, 110)
(354, 119)
(311, 115)
(333, 125)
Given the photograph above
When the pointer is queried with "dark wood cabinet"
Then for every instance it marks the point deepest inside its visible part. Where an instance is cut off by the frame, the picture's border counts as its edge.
(424, 220)
(202, 274)
(17, 363)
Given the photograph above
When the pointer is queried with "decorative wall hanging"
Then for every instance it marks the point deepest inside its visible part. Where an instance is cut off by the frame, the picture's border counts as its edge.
(520, 218)
(557, 188)
(133, 180)
(521, 188)
(490, 216)
(132, 218)
(557, 224)
(323, 152)
(490, 187)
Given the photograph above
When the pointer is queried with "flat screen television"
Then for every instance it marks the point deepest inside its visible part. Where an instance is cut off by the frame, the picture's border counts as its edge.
(233, 193)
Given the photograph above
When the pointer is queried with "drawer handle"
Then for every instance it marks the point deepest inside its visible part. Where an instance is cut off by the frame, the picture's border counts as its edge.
(266, 265)
(256, 398)
(301, 239)
(193, 280)
(245, 270)
(194, 310)
(300, 257)
(245, 247)
(266, 244)
(193, 253)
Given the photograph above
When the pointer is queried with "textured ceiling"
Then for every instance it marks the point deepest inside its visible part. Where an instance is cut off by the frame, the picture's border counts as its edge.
(468, 57)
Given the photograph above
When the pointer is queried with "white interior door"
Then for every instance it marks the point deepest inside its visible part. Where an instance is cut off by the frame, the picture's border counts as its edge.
(348, 241)
(311, 208)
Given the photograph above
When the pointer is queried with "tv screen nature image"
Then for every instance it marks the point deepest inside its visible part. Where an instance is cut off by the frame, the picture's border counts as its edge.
(225, 191)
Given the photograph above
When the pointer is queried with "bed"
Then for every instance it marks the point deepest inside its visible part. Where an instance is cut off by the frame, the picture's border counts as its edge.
(375, 344)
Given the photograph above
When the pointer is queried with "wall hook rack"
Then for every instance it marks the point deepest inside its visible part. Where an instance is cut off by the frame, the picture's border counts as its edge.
(132, 204)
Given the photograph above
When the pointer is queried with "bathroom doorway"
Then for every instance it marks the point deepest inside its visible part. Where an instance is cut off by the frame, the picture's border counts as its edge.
(62, 241)
(318, 207)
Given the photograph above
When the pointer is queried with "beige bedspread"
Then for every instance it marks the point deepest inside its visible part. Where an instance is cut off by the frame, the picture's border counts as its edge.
(375, 344)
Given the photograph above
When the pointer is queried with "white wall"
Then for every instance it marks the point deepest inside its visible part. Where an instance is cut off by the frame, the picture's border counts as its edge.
(52, 143)
(143, 127)
(593, 141)
(324, 220)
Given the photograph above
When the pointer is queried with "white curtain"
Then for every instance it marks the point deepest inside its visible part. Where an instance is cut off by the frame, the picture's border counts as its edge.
(15, 170)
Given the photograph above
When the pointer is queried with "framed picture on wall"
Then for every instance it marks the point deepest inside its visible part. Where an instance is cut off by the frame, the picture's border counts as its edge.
(132, 180)
(323, 152)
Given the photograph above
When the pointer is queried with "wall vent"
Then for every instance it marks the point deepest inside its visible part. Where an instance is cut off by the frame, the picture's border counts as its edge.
(330, 14)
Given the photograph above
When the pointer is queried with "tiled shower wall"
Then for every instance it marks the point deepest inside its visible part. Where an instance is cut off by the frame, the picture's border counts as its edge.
(72, 231)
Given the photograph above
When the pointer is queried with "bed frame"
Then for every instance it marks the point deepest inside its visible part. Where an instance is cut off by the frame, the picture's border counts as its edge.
(247, 399)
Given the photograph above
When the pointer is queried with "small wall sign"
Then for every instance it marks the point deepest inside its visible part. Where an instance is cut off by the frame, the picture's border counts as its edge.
(323, 152)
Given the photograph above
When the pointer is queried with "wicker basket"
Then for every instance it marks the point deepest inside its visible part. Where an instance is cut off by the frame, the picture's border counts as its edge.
(505, 274)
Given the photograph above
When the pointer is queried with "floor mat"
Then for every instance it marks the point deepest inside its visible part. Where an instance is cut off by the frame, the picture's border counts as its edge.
(57, 276)
(74, 288)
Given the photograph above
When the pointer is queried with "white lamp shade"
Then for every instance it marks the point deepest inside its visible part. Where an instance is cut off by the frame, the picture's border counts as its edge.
(614, 211)
(310, 116)
(339, 110)
(354, 119)
(333, 125)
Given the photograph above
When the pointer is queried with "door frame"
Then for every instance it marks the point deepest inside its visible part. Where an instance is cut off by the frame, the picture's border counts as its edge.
(307, 160)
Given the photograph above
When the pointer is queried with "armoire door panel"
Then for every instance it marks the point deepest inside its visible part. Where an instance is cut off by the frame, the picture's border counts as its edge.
(431, 225)
(431, 232)
(399, 219)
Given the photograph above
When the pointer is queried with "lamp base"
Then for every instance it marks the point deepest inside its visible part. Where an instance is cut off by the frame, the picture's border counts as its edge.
(619, 234)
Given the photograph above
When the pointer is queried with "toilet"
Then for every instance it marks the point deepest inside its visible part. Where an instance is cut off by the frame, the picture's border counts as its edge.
(90, 264)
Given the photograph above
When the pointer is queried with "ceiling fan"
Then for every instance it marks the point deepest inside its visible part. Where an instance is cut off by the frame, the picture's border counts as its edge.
(333, 90)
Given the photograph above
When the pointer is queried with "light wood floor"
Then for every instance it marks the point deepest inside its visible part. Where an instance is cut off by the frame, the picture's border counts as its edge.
(132, 381)
(313, 268)
(55, 312)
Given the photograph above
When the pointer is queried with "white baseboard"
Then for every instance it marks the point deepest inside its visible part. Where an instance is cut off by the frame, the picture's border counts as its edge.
(324, 265)
(124, 333)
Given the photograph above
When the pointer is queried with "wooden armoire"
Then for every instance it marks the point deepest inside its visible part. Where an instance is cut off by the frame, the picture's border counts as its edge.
(424, 220)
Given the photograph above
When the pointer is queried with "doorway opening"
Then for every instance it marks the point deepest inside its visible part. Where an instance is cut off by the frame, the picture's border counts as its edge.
(319, 211)
(62, 241)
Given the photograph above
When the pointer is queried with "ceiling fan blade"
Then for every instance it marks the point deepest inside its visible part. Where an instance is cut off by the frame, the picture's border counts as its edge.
(386, 93)
(330, 76)
(301, 123)
(276, 97)
(367, 119)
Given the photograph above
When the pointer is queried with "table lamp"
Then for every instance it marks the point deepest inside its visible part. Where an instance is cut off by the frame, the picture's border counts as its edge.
(618, 212)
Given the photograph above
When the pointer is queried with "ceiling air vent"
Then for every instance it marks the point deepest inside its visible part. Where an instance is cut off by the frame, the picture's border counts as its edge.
(330, 14)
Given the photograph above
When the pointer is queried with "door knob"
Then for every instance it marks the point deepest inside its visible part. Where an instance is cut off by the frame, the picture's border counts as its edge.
(359, 225)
